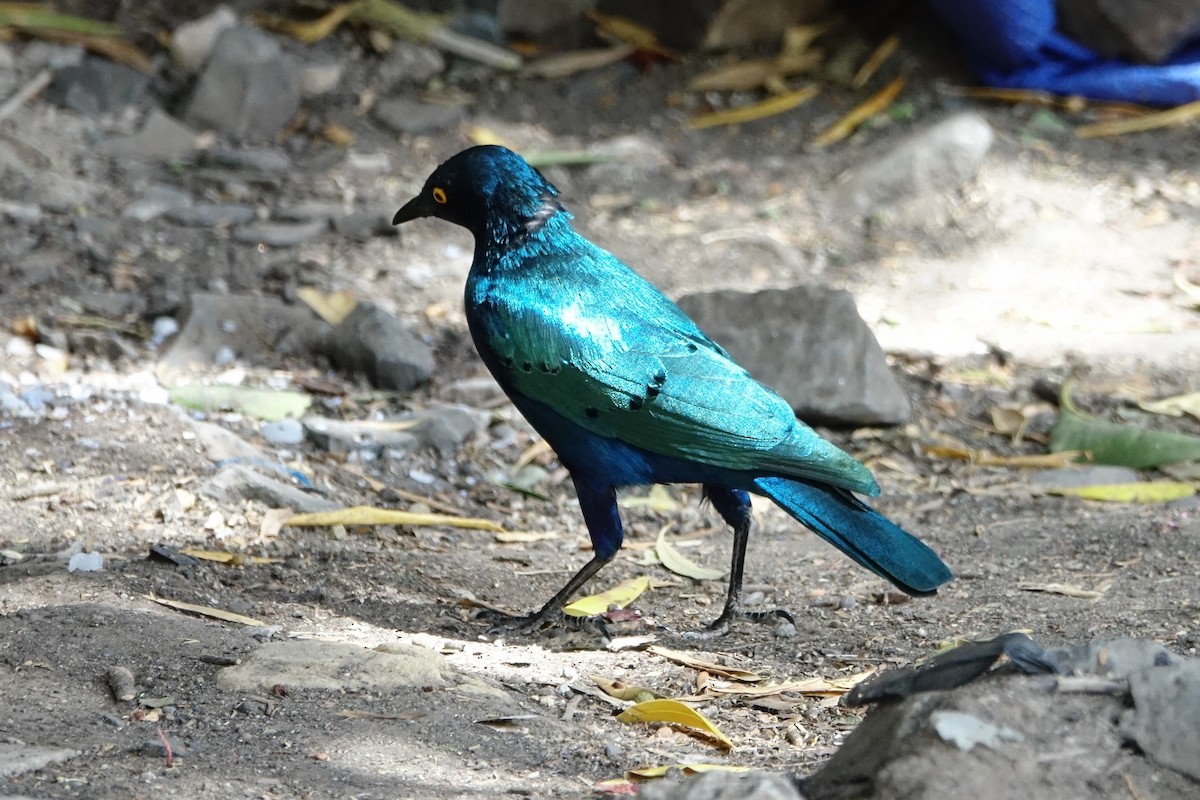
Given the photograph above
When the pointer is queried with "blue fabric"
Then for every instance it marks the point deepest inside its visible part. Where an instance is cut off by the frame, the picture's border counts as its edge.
(1014, 44)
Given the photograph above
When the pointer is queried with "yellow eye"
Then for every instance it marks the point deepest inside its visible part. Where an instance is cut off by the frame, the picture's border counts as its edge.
(439, 196)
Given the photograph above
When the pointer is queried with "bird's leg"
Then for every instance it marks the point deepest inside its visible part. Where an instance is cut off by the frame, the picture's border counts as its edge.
(599, 507)
(734, 507)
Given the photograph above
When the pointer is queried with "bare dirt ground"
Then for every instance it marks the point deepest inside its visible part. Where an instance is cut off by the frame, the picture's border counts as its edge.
(1060, 254)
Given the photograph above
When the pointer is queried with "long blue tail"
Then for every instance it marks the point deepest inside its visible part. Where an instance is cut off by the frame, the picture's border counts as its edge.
(860, 532)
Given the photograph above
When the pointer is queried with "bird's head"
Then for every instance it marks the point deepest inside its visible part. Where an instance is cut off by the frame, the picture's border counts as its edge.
(489, 190)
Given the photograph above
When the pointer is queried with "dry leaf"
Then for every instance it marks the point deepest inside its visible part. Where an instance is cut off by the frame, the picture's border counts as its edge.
(1064, 589)
(215, 613)
(650, 773)
(225, 557)
(367, 515)
(1136, 492)
(479, 134)
(813, 687)
(564, 65)
(985, 459)
(657, 499)
(619, 596)
(680, 564)
(1148, 122)
(876, 60)
(1008, 420)
(1175, 406)
(625, 30)
(688, 660)
(273, 521)
(767, 108)
(876, 104)
(333, 307)
(319, 28)
(621, 690)
(675, 713)
(337, 134)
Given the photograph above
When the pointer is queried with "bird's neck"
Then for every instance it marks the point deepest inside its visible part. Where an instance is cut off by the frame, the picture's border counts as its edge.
(543, 222)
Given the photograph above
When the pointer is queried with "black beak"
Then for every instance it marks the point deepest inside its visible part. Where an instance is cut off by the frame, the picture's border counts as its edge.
(417, 207)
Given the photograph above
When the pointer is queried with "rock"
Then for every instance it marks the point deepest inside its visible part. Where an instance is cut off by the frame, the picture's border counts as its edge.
(1112, 658)
(162, 138)
(97, 86)
(321, 78)
(255, 329)
(156, 201)
(338, 667)
(280, 234)
(236, 483)
(1136, 30)
(473, 392)
(1069, 477)
(721, 785)
(442, 428)
(17, 758)
(375, 343)
(85, 562)
(412, 117)
(26, 213)
(257, 159)
(360, 226)
(408, 64)
(192, 42)
(349, 436)
(284, 433)
(249, 88)
(221, 444)
(544, 20)
(1165, 719)
(810, 345)
(938, 159)
(210, 215)
(113, 305)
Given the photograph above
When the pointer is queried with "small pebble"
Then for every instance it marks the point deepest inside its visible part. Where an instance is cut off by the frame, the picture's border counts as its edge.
(85, 562)
(283, 432)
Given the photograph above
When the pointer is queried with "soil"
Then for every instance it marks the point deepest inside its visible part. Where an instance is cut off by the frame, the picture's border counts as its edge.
(1058, 256)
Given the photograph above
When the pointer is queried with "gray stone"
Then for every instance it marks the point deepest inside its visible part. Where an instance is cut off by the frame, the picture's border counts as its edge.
(1136, 30)
(412, 117)
(938, 159)
(377, 344)
(1069, 477)
(26, 213)
(283, 433)
(97, 86)
(156, 201)
(192, 42)
(349, 436)
(162, 138)
(1112, 658)
(721, 785)
(1165, 719)
(408, 63)
(260, 159)
(221, 444)
(316, 664)
(257, 330)
(280, 234)
(534, 19)
(321, 78)
(17, 759)
(210, 215)
(810, 345)
(249, 88)
(236, 483)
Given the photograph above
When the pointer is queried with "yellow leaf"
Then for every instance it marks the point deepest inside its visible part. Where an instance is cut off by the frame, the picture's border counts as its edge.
(333, 307)
(650, 773)
(712, 667)
(657, 499)
(619, 596)
(225, 557)
(882, 53)
(626, 30)
(875, 104)
(1141, 492)
(1175, 406)
(215, 613)
(1162, 119)
(366, 515)
(680, 564)
(566, 64)
(767, 108)
(675, 713)
(319, 28)
(479, 134)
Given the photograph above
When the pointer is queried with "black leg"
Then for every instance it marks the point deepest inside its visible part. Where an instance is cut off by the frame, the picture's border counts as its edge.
(599, 506)
(734, 507)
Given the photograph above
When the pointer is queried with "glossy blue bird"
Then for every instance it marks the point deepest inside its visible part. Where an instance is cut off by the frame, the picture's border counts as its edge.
(628, 391)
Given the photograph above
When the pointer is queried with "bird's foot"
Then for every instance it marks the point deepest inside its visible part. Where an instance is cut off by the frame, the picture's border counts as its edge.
(539, 621)
(724, 623)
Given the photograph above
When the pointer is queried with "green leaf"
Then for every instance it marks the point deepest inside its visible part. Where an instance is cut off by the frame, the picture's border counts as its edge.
(680, 564)
(258, 403)
(1144, 492)
(1115, 443)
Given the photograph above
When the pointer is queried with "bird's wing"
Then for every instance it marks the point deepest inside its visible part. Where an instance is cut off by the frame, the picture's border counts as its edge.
(630, 365)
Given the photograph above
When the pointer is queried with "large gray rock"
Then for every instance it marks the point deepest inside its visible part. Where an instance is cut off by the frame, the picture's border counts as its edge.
(249, 89)
(375, 343)
(220, 328)
(234, 483)
(1137, 30)
(1165, 719)
(810, 345)
(402, 115)
(934, 160)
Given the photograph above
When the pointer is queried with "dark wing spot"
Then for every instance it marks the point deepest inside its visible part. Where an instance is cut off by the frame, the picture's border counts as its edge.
(591, 412)
(527, 367)
(652, 392)
(692, 347)
(635, 403)
(660, 377)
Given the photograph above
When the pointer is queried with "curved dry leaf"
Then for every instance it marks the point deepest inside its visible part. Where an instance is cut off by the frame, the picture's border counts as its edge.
(619, 596)
(1175, 406)
(367, 515)
(704, 665)
(620, 689)
(767, 108)
(680, 564)
(675, 713)
(875, 104)
(206, 611)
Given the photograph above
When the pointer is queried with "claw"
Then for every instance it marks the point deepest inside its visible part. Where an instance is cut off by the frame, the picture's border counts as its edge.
(539, 621)
(724, 623)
